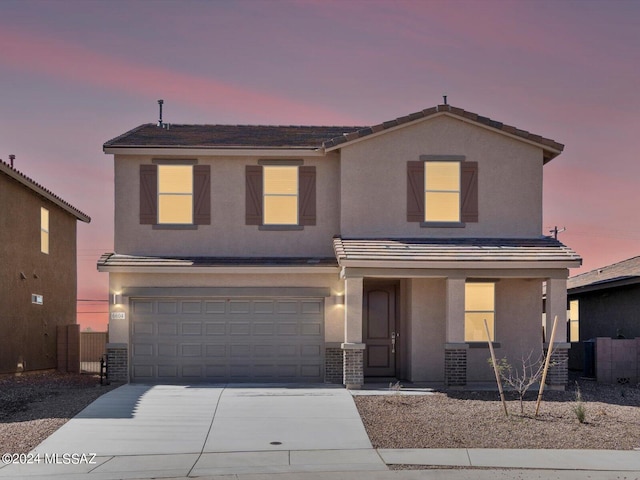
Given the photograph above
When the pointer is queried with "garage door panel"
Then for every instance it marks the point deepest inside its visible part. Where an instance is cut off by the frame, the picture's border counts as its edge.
(191, 328)
(168, 307)
(143, 328)
(215, 307)
(222, 340)
(167, 350)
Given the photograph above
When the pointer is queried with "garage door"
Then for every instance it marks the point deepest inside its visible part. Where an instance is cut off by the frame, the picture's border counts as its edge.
(227, 340)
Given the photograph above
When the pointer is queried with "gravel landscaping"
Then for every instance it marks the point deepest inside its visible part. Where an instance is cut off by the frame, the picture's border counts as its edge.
(456, 419)
(33, 406)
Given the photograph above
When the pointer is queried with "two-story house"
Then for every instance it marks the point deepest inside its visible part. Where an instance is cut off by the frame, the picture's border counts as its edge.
(38, 276)
(336, 254)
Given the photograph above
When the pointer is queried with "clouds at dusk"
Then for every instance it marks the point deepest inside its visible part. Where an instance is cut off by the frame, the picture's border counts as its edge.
(74, 74)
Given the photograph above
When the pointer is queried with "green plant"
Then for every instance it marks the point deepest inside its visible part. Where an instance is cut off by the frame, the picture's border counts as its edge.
(578, 407)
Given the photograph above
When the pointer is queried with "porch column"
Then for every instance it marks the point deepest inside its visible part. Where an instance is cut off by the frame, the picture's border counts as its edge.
(455, 348)
(353, 348)
(557, 306)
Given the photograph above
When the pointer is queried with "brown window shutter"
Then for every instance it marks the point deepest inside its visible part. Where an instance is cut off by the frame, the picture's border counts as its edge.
(202, 194)
(253, 198)
(148, 194)
(307, 195)
(415, 191)
(469, 184)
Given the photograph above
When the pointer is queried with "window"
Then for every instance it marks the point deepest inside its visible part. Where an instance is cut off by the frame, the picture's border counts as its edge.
(36, 299)
(479, 305)
(280, 195)
(44, 230)
(175, 194)
(442, 191)
(574, 321)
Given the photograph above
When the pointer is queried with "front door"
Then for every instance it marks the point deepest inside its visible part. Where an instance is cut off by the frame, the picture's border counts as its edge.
(379, 328)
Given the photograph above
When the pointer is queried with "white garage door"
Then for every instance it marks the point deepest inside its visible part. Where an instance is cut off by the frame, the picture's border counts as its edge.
(227, 340)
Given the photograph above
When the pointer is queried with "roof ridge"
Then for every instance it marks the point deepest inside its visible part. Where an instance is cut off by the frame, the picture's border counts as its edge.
(39, 189)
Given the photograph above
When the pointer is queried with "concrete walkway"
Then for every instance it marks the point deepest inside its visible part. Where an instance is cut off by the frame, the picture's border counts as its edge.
(170, 431)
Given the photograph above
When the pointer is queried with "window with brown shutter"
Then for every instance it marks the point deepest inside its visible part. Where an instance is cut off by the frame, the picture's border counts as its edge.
(416, 191)
(255, 194)
(199, 197)
(148, 194)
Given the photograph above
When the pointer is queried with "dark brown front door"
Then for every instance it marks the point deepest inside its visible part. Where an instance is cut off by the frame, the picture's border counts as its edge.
(379, 329)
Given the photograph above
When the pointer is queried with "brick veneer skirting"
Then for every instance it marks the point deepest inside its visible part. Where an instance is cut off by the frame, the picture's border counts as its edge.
(455, 366)
(353, 366)
(558, 374)
(334, 361)
(118, 362)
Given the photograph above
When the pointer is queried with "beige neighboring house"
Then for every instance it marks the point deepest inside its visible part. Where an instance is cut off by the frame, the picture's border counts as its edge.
(331, 254)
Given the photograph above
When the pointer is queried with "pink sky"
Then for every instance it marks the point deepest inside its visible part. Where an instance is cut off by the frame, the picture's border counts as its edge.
(74, 74)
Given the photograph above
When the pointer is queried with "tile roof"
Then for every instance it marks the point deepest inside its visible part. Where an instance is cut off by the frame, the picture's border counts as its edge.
(150, 135)
(119, 260)
(542, 249)
(626, 270)
(327, 137)
(11, 172)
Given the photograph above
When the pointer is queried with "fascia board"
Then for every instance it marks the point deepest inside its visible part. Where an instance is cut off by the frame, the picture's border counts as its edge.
(228, 152)
(453, 265)
(239, 270)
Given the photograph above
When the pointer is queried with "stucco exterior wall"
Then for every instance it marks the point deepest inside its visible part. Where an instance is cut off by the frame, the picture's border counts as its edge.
(374, 181)
(227, 235)
(518, 327)
(427, 317)
(334, 313)
(27, 330)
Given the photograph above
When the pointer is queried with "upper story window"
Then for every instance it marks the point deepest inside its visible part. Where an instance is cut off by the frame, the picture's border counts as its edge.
(479, 305)
(175, 194)
(44, 230)
(442, 191)
(280, 195)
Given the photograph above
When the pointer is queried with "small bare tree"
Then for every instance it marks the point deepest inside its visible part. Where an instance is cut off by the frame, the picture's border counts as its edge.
(524, 376)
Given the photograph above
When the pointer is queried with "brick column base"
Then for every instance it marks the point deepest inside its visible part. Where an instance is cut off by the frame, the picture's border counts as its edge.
(558, 374)
(353, 365)
(333, 365)
(455, 364)
(118, 362)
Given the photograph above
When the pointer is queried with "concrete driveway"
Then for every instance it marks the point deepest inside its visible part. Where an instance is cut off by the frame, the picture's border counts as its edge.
(167, 430)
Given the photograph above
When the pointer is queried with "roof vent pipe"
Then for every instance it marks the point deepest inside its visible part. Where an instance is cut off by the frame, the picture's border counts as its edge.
(11, 159)
(160, 124)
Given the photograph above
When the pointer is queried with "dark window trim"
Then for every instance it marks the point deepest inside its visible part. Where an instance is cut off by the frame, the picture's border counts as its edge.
(442, 224)
(443, 158)
(483, 344)
(174, 161)
(283, 163)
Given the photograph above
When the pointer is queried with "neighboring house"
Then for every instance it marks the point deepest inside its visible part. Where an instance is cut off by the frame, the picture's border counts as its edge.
(38, 278)
(604, 302)
(336, 254)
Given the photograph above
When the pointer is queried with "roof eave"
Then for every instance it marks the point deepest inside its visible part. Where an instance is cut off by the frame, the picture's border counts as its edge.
(460, 264)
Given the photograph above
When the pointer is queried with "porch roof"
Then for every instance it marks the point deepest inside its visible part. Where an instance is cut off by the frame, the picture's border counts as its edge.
(540, 252)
